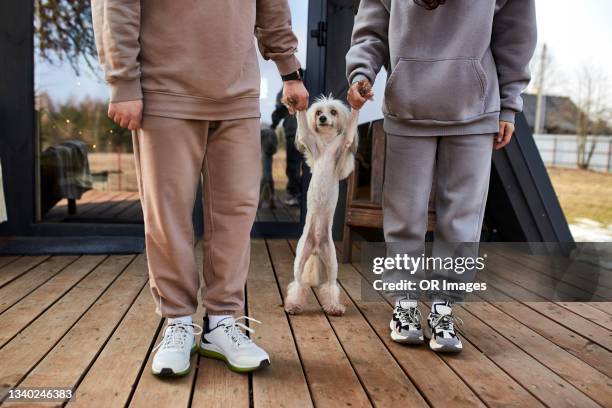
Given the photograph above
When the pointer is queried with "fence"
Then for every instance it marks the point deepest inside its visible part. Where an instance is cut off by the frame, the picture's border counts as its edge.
(561, 151)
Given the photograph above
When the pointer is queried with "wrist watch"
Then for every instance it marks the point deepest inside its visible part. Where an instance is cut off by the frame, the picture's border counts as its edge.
(295, 75)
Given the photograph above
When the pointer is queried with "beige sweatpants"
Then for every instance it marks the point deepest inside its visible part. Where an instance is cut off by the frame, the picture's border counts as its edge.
(170, 156)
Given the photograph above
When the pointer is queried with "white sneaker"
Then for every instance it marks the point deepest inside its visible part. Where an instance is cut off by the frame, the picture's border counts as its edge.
(227, 342)
(173, 359)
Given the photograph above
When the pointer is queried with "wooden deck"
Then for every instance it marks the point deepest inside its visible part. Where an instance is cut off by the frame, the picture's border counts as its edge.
(87, 322)
(124, 207)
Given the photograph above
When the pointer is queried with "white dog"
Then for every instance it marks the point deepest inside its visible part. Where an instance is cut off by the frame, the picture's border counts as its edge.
(327, 136)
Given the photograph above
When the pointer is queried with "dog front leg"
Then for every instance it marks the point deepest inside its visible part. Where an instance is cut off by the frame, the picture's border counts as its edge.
(350, 135)
(304, 137)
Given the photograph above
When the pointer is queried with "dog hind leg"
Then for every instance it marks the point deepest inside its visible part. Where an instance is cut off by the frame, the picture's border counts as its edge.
(296, 291)
(330, 291)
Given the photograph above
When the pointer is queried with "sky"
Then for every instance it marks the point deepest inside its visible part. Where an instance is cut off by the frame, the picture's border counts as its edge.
(577, 33)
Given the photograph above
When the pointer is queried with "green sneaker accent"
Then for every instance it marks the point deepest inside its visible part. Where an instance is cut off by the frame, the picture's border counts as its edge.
(170, 373)
(221, 357)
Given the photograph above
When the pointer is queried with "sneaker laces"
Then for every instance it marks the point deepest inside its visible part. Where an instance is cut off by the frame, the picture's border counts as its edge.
(234, 331)
(176, 334)
(445, 322)
(412, 315)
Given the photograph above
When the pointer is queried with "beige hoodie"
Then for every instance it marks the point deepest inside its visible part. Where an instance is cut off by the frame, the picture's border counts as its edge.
(192, 59)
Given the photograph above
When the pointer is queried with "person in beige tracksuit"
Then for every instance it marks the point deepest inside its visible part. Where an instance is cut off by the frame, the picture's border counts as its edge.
(184, 77)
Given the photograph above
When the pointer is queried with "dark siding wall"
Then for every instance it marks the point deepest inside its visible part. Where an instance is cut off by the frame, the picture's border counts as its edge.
(17, 113)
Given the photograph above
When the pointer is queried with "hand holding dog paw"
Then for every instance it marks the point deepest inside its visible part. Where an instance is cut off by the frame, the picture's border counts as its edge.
(295, 96)
(359, 93)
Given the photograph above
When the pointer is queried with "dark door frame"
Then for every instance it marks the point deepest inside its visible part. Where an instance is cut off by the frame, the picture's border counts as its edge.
(17, 132)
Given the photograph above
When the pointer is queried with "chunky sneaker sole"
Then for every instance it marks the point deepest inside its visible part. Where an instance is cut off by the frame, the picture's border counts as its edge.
(454, 347)
(413, 336)
(169, 372)
(211, 351)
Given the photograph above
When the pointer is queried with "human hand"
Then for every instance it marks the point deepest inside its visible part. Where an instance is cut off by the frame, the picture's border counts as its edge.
(295, 96)
(126, 114)
(359, 93)
(506, 130)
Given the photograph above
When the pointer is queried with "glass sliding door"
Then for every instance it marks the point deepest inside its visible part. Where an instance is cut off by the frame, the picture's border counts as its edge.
(281, 184)
(85, 162)
(85, 169)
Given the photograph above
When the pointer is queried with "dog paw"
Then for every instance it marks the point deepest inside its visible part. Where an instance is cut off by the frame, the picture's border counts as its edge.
(293, 308)
(336, 309)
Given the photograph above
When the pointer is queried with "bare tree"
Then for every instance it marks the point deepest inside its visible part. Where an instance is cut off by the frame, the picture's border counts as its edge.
(64, 32)
(545, 73)
(593, 113)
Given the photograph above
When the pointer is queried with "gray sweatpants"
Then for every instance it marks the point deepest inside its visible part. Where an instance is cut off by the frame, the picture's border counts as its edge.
(462, 166)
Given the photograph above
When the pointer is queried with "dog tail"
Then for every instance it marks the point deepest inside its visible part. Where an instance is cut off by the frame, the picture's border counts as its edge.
(312, 271)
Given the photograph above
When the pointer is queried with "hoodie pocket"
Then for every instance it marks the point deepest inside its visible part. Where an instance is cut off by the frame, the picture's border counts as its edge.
(444, 90)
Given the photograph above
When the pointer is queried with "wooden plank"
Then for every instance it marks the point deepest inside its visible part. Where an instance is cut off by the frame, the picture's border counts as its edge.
(573, 370)
(6, 259)
(118, 210)
(545, 268)
(16, 290)
(383, 378)
(60, 209)
(535, 377)
(216, 385)
(32, 344)
(330, 375)
(467, 376)
(283, 383)
(589, 312)
(129, 213)
(109, 210)
(19, 315)
(560, 315)
(169, 392)
(153, 391)
(605, 307)
(105, 385)
(545, 264)
(134, 212)
(546, 385)
(589, 352)
(65, 364)
(539, 284)
(572, 321)
(91, 209)
(12, 271)
(97, 201)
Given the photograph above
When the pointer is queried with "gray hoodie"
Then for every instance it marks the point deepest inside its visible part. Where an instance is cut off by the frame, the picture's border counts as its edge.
(455, 70)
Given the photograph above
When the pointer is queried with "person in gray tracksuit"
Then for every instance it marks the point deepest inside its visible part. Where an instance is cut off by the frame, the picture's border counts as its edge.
(456, 70)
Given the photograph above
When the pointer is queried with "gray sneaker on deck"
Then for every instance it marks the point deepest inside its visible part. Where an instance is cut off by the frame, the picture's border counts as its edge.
(440, 329)
(406, 323)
